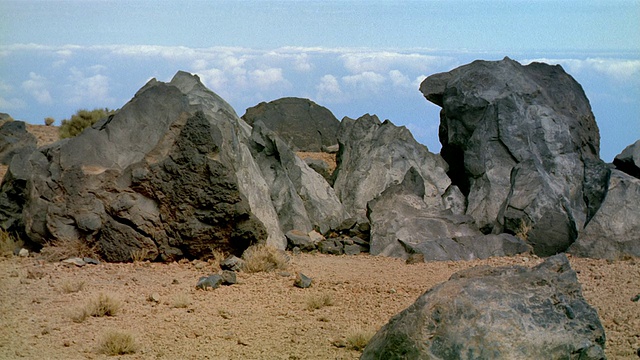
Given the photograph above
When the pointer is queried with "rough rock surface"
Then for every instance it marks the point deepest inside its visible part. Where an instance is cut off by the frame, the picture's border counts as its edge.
(614, 232)
(169, 174)
(375, 155)
(496, 313)
(301, 123)
(302, 198)
(629, 160)
(403, 224)
(523, 145)
(14, 138)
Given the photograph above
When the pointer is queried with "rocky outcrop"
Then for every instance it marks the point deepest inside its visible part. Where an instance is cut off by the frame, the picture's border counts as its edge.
(302, 124)
(15, 138)
(169, 175)
(522, 144)
(375, 155)
(496, 313)
(402, 223)
(628, 160)
(614, 232)
(302, 198)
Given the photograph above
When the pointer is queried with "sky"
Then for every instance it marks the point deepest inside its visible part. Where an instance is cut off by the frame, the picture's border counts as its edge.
(353, 57)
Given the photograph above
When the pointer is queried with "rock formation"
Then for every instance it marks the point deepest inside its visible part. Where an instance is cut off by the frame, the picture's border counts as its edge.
(629, 160)
(15, 138)
(496, 313)
(522, 144)
(301, 123)
(169, 175)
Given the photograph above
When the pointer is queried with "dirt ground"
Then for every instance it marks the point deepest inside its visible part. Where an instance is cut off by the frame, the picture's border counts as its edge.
(263, 316)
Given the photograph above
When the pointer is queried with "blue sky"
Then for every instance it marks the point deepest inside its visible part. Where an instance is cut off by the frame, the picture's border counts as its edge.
(354, 57)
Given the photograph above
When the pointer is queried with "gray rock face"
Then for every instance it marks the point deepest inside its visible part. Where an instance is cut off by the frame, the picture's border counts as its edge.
(375, 155)
(629, 160)
(302, 124)
(518, 150)
(302, 198)
(496, 313)
(168, 175)
(15, 138)
(404, 224)
(614, 232)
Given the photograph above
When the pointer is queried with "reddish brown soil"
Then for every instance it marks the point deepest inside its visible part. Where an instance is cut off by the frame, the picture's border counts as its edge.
(262, 317)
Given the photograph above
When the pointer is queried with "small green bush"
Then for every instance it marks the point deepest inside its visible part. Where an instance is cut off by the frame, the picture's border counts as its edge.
(81, 120)
(49, 121)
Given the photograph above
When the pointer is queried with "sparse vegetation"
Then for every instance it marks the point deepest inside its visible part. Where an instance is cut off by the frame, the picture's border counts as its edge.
(103, 305)
(138, 255)
(81, 120)
(217, 257)
(66, 248)
(264, 258)
(523, 229)
(48, 121)
(8, 243)
(69, 287)
(358, 339)
(181, 301)
(118, 343)
(318, 301)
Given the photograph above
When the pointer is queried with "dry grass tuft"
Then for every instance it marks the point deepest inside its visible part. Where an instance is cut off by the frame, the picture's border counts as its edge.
(319, 301)
(118, 343)
(8, 243)
(523, 229)
(69, 287)
(263, 258)
(216, 258)
(103, 305)
(181, 301)
(358, 339)
(139, 255)
(68, 248)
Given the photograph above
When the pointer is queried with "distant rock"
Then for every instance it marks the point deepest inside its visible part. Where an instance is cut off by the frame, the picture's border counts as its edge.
(614, 232)
(628, 160)
(302, 281)
(496, 313)
(375, 155)
(5, 117)
(15, 138)
(518, 151)
(302, 124)
(209, 282)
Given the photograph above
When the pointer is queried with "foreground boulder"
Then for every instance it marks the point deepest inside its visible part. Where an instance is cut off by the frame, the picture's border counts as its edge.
(169, 175)
(524, 158)
(496, 313)
(15, 138)
(302, 124)
(629, 160)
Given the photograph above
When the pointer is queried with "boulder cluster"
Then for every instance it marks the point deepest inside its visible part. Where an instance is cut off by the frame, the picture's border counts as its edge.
(175, 173)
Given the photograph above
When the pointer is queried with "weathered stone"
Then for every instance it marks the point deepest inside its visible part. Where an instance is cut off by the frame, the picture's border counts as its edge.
(330, 246)
(23, 252)
(297, 238)
(319, 166)
(209, 282)
(79, 262)
(302, 281)
(15, 138)
(614, 232)
(232, 263)
(496, 313)
(228, 277)
(518, 151)
(354, 249)
(301, 123)
(467, 247)
(375, 155)
(628, 160)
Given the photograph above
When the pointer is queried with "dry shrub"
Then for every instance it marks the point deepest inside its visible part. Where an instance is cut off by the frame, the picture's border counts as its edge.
(523, 229)
(319, 301)
(264, 258)
(138, 255)
(67, 248)
(103, 305)
(358, 339)
(69, 287)
(118, 343)
(8, 243)
(48, 121)
(217, 257)
(181, 301)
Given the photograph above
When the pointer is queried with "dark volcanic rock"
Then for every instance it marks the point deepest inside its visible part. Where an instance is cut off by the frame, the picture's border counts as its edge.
(496, 313)
(168, 175)
(301, 123)
(15, 138)
(629, 160)
(375, 155)
(521, 143)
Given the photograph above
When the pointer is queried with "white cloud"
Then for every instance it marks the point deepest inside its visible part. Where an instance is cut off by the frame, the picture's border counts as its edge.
(12, 104)
(36, 86)
(92, 90)
(329, 89)
(398, 79)
(366, 82)
(267, 78)
(620, 70)
(358, 62)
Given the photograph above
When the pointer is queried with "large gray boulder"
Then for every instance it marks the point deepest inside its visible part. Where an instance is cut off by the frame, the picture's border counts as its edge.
(402, 223)
(375, 155)
(629, 160)
(496, 313)
(302, 198)
(15, 138)
(523, 146)
(614, 232)
(302, 124)
(170, 175)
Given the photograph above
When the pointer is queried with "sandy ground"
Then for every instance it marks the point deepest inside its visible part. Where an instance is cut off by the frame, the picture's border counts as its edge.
(263, 316)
